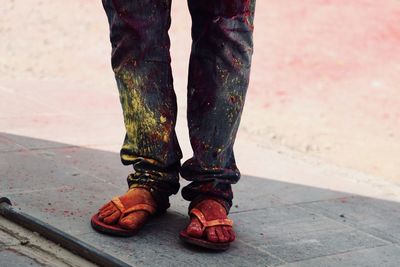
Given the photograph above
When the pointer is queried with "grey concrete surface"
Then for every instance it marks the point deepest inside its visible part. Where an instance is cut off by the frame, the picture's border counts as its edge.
(386, 256)
(20, 248)
(277, 223)
(11, 258)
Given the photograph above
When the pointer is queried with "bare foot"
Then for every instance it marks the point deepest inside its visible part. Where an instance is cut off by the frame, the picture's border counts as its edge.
(110, 214)
(212, 210)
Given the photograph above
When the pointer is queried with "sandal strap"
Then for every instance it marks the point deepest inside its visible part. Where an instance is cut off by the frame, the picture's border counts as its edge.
(205, 223)
(142, 206)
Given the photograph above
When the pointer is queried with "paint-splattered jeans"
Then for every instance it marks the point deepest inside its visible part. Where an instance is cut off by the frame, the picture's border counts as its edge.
(219, 71)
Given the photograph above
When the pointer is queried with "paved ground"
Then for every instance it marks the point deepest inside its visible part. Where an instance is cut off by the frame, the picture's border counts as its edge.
(291, 211)
(61, 129)
(279, 223)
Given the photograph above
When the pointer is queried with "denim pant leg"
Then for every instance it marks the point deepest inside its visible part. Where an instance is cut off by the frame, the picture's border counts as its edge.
(141, 63)
(219, 72)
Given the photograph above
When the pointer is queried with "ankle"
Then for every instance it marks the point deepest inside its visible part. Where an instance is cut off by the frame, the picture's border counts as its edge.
(209, 200)
(141, 195)
(152, 196)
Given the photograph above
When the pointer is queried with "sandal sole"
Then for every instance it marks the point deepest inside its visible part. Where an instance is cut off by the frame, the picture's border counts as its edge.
(107, 229)
(203, 243)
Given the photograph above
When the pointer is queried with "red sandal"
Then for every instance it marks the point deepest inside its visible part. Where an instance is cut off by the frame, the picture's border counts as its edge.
(115, 229)
(202, 242)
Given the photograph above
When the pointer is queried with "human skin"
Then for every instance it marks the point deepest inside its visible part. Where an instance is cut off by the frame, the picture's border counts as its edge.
(211, 209)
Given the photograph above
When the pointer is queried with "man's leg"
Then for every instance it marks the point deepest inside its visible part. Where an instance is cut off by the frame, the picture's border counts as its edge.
(141, 63)
(218, 80)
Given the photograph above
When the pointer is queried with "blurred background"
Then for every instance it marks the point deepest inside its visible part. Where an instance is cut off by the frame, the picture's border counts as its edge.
(325, 78)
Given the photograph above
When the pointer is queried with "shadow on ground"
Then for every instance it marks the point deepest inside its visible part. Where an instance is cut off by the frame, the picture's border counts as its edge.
(278, 224)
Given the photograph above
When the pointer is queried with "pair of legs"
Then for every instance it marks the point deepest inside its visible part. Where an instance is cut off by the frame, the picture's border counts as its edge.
(218, 78)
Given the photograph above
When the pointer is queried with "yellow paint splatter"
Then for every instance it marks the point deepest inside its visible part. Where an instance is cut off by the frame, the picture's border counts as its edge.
(163, 119)
(140, 121)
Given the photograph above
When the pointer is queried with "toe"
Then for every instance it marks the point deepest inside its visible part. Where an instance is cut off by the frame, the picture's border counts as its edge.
(112, 218)
(226, 233)
(105, 213)
(221, 236)
(194, 228)
(111, 207)
(211, 234)
(133, 220)
(109, 204)
(232, 234)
